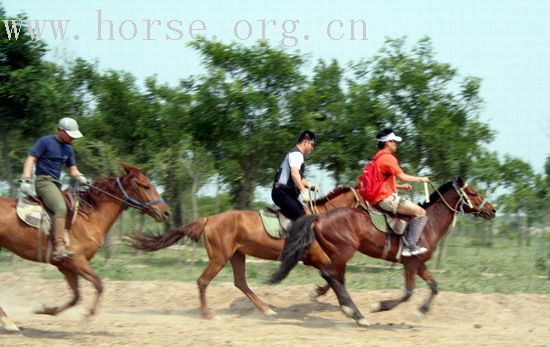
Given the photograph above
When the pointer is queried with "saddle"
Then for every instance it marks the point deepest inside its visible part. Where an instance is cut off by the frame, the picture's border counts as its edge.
(31, 210)
(275, 223)
(387, 222)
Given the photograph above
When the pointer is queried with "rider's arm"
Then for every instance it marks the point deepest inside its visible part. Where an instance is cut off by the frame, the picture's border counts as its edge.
(403, 177)
(73, 171)
(27, 167)
(297, 178)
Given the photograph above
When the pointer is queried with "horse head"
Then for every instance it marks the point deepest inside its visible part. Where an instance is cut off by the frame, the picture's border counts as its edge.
(139, 192)
(471, 201)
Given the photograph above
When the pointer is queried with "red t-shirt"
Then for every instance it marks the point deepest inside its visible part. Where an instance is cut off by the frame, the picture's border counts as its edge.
(386, 168)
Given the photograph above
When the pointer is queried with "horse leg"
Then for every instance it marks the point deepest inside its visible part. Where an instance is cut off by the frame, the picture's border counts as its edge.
(72, 280)
(319, 291)
(426, 275)
(6, 322)
(346, 303)
(338, 271)
(386, 305)
(213, 268)
(83, 269)
(239, 273)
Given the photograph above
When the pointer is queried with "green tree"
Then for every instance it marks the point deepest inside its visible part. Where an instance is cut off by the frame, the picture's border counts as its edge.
(423, 100)
(241, 112)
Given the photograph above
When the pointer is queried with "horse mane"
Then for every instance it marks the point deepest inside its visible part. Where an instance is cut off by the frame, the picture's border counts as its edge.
(434, 196)
(337, 191)
(92, 196)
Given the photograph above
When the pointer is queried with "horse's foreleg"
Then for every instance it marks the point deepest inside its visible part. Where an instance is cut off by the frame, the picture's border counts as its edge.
(319, 291)
(426, 275)
(239, 273)
(6, 322)
(84, 269)
(72, 280)
(386, 305)
(213, 268)
(346, 303)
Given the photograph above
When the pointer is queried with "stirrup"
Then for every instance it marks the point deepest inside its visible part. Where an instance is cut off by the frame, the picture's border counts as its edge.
(62, 255)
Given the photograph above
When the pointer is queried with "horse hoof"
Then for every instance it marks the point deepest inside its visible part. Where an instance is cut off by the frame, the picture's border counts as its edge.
(348, 311)
(376, 307)
(313, 295)
(51, 311)
(363, 322)
(270, 312)
(418, 316)
(8, 324)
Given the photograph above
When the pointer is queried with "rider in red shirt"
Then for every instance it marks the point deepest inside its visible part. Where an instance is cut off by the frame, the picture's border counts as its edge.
(387, 168)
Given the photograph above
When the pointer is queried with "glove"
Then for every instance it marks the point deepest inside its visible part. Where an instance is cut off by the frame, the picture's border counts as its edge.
(314, 188)
(25, 186)
(304, 194)
(81, 179)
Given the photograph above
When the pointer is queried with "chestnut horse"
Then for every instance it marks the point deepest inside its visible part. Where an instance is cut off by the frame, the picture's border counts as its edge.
(230, 235)
(343, 231)
(105, 201)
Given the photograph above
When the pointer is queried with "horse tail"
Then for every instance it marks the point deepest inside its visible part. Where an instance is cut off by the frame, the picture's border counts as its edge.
(147, 242)
(300, 237)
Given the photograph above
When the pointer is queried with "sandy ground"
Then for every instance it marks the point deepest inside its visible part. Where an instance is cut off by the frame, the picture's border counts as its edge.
(166, 314)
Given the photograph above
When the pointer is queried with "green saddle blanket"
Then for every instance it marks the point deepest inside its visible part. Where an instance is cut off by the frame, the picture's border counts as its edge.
(378, 219)
(271, 224)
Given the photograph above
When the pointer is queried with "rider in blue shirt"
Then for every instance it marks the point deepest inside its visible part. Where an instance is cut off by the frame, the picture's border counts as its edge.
(48, 155)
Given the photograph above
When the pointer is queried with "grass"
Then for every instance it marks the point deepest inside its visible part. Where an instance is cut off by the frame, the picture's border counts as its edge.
(466, 268)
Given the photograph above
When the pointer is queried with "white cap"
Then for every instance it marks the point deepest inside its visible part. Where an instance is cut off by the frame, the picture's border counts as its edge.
(391, 136)
(70, 126)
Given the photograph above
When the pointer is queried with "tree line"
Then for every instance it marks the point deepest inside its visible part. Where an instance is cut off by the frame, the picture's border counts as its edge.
(236, 120)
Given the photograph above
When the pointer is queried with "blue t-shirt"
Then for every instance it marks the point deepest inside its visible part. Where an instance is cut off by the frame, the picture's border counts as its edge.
(51, 154)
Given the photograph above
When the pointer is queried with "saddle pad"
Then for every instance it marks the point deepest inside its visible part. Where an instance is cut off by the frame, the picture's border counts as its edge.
(378, 219)
(30, 212)
(271, 224)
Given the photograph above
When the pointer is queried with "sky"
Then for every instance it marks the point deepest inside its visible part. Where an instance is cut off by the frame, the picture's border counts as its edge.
(505, 43)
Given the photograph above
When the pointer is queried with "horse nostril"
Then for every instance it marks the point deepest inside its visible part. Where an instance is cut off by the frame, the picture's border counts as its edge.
(167, 214)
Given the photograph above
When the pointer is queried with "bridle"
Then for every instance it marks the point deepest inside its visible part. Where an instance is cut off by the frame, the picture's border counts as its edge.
(128, 200)
(463, 199)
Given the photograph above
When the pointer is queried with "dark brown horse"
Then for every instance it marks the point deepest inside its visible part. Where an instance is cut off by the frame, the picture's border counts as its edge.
(343, 231)
(105, 201)
(230, 235)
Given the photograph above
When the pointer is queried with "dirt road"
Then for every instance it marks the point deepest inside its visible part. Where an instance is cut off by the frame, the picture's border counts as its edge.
(166, 314)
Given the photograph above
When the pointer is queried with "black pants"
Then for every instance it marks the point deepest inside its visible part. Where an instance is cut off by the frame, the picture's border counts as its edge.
(288, 203)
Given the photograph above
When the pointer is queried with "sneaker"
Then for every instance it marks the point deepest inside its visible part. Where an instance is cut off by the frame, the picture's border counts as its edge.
(406, 252)
(419, 251)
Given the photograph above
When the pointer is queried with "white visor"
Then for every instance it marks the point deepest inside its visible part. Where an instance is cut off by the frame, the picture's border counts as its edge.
(391, 136)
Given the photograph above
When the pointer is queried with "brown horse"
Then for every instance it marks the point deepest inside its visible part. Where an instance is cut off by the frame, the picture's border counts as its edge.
(343, 231)
(231, 235)
(105, 201)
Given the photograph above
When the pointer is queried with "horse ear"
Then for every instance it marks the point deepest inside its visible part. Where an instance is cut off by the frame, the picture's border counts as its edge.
(128, 167)
(459, 181)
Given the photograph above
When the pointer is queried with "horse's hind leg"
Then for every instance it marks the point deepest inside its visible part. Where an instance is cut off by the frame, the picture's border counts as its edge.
(346, 303)
(239, 274)
(386, 305)
(6, 322)
(426, 275)
(338, 271)
(72, 280)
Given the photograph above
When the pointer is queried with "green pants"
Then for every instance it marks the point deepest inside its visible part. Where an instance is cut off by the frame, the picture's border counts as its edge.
(49, 190)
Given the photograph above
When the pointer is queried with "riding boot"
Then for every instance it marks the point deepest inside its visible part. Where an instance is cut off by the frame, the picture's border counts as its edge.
(60, 250)
(416, 225)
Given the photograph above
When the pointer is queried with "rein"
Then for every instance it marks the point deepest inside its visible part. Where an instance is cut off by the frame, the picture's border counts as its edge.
(313, 206)
(463, 200)
(128, 200)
